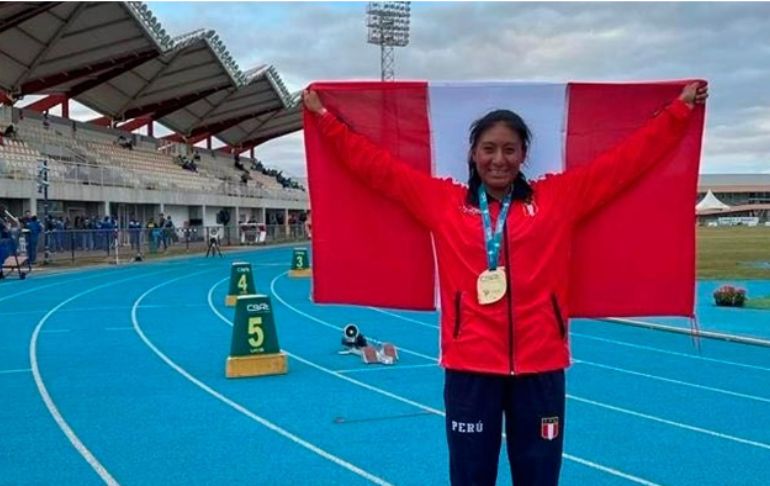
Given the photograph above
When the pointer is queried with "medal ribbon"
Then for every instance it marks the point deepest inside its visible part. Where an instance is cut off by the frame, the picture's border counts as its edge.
(492, 240)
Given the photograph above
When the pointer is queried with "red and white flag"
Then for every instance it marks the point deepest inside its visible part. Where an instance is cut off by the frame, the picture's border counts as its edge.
(635, 257)
(549, 428)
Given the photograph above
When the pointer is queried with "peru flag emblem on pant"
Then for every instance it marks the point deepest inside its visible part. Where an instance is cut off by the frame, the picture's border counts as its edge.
(549, 428)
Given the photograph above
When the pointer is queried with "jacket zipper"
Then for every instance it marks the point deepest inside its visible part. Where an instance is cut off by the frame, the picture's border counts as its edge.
(509, 298)
(559, 318)
(458, 296)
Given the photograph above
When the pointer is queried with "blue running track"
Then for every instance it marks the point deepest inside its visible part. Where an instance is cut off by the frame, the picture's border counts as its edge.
(116, 375)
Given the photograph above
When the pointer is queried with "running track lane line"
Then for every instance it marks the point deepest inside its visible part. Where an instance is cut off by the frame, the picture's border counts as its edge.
(238, 407)
(49, 403)
(579, 460)
(592, 402)
(35, 288)
(611, 341)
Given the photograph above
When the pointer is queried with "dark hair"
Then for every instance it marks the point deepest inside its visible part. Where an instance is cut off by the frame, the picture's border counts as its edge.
(521, 188)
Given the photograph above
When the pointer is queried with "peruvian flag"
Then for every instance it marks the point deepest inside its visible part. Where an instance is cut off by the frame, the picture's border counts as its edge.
(634, 257)
(549, 428)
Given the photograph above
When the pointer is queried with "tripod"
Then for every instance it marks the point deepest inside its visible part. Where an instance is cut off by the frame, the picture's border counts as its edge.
(213, 248)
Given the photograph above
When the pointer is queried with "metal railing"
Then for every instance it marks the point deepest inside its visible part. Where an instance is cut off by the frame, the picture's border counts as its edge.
(84, 246)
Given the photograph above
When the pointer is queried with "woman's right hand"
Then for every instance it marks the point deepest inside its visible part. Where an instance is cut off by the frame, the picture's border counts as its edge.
(312, 101)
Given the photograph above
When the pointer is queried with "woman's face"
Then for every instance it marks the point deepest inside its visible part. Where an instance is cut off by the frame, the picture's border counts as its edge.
(498, 156)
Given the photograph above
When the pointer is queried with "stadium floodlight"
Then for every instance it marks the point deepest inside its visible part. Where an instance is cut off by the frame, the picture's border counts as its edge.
(388, 24)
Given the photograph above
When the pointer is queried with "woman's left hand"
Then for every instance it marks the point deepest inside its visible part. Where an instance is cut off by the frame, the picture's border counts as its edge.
(695, 93)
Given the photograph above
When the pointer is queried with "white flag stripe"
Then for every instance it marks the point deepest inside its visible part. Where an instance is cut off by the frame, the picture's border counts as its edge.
(454, 106)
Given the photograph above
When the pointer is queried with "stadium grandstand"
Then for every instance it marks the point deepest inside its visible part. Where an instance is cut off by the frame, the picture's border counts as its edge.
(117, 60)
(733, 199)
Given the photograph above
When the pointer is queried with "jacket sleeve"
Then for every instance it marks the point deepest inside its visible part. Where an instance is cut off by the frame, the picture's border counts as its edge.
(591, 186)
(419, 193)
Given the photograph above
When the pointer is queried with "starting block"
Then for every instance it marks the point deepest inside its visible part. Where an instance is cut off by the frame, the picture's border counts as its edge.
(300, 263)
(241, 282)
(355, 343)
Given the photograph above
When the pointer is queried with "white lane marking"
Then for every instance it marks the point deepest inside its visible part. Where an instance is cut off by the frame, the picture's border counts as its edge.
(327, 370)
(611, 341)
(570, 457)
(387, 368)
(672, 353)
(409, 319)
(338, 328)
(20, 370)
(100, 309)
(672, 381)
(238, 407)
(37, 288)
(49, 403)
(600, 404)
(672, 423)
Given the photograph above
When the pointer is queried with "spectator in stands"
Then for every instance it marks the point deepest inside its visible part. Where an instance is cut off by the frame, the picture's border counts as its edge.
(160, 233)
(89, 235)
(168, 232)
(26, 218)
(238, 165)
(35, 228)
(5, 240)
(110, 226)
(77, 235)
(189, 165)
(125, 142)
(154, 234)
(134, 233)
(245, 177)
(196, 156)
(58, 236)
(10, 132)
(46, 121)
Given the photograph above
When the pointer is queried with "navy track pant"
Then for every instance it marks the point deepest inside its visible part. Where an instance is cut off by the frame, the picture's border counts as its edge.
(533, 407)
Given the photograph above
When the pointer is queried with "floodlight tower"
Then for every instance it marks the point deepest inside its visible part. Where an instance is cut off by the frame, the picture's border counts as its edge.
(388, 24)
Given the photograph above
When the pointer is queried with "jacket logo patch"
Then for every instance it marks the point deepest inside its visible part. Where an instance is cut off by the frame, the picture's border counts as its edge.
(470, 210)
(549, 428)
(530, 209)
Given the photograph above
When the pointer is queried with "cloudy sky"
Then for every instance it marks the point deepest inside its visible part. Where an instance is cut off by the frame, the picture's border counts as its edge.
(725, 43)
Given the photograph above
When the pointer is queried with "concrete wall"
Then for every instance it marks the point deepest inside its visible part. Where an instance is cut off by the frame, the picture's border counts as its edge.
(179, 214)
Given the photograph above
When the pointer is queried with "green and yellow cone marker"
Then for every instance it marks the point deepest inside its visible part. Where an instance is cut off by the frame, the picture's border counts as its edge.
(300, 263)
(254, 349)
(241, 282)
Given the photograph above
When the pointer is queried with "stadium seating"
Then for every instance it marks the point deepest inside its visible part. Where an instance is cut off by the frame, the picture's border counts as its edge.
(91, 156)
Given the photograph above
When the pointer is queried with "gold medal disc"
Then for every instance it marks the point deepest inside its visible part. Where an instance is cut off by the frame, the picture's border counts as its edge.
(491, 286)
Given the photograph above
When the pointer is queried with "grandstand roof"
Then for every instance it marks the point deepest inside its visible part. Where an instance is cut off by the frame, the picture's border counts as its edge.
(256, 130)
(116, 59)
(43, 45)
(734, 182)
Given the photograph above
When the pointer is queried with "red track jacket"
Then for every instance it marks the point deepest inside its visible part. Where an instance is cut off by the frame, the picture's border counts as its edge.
(525, 331)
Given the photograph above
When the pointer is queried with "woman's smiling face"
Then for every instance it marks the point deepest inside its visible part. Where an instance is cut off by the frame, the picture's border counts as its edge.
(498, 156)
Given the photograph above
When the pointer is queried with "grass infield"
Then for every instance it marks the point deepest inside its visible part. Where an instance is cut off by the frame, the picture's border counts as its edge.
(734, 253)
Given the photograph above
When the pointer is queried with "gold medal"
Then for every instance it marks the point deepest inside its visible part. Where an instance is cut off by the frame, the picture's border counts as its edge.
(491, 286)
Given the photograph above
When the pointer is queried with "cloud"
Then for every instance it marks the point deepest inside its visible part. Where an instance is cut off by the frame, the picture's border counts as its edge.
(725, 43)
